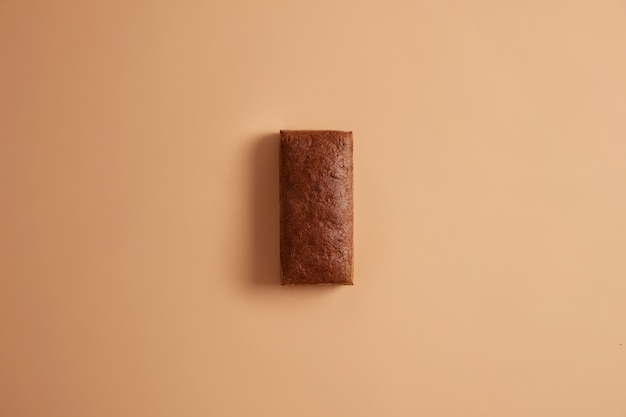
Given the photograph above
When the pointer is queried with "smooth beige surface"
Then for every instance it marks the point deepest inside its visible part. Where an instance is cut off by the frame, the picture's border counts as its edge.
(139, 224)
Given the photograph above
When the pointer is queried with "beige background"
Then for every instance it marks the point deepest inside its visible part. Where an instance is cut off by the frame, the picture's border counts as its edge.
(139, 228)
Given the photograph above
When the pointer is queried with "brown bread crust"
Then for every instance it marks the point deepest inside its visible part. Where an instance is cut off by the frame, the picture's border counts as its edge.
(316, 207)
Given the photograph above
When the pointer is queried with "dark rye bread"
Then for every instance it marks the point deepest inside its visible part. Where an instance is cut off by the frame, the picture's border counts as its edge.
(316, 244)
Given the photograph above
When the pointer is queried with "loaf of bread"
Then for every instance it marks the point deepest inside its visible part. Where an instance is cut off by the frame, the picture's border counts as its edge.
(316, 206)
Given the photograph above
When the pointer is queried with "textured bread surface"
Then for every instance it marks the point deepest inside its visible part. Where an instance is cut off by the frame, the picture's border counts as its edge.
(316, 207)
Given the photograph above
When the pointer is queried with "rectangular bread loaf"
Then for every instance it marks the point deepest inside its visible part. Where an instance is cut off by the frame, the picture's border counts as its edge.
(316, 242)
